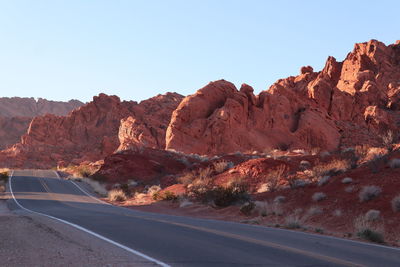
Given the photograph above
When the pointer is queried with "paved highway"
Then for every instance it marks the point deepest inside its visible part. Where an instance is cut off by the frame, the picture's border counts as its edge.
(183, 241)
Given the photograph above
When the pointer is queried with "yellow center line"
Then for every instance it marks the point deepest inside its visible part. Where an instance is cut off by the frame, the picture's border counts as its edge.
(238, 237)
(257, 241)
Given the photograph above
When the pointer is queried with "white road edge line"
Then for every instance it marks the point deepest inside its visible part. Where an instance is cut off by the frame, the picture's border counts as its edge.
(137, 253)
(84, 191)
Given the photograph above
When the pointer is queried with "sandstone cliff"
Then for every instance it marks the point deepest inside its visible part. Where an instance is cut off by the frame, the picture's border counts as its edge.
(347, 103)
(16, 113)
(90, 132)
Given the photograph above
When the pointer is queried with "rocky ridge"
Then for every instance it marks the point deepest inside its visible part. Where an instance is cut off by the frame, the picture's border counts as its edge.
(347, 103)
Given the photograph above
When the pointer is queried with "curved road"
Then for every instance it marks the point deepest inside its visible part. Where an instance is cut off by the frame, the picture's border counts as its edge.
(183, 241)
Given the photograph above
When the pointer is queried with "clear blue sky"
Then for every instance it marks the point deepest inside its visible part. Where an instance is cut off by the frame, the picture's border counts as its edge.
(136, 49)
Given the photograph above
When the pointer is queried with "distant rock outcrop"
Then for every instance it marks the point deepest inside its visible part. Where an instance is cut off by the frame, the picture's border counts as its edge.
(347, 103)
(90, 132)
(30, 107)
(16, 113)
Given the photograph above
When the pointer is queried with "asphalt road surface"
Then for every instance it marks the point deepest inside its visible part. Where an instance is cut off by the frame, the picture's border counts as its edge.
(183, 241)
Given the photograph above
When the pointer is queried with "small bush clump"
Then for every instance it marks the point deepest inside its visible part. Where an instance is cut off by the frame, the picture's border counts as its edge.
(247, 208)
(167, 196)
(293, 221)
(371, 235)
(347, 180)
(368, 230)
(318, 196)
(394, 163)
(221, 166)
(368, 193)
(324, 180)
(396, 204)
(116, 195)
(279, 199)
(372, 215)
(332, 168)
(4, 176)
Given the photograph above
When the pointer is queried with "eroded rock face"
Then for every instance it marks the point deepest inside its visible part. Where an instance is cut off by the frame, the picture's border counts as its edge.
(11, 130)
(148, 123)
(16, 114)
(92, 131)
(347, 103)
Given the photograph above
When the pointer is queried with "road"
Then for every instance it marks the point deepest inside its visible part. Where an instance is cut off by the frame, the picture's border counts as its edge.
(170, 240)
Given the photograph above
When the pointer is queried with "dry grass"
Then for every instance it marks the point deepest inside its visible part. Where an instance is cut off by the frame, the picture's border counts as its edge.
(368, 230)
(334, 167)
(372, 215)
(116, 195)
(221, 166)
(368, 193)
(272, 180)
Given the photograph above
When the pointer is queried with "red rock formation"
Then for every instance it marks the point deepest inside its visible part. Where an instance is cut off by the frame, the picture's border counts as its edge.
(16, 113)
(11, 130)
(347, 103)
(91, 132)
(148, 125)
(29, 107)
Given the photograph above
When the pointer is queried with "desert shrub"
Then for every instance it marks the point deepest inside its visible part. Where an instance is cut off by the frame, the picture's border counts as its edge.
(221, 166)
(187, 178)
(304, 164)
(295, 182)
(332, 168)
(205, 173)
(371, 235)
(362, 151)
(349, 189)
(224, 197)
(372, 215)
(4, 177)
(347, 180)
(337, 213)
(324, 180)
(388, 139)
(294, 221)
(274, 177)
(153, 190)
(116, 195)
(315, 210)
(247, 208)
(394, 163)
(167, 196)
(319, 230)
(318, 196)
(220, 196)
(84, 171)
(279, 199)
(368, 193)
(374, 163)
(396, 204)
(367, 230)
